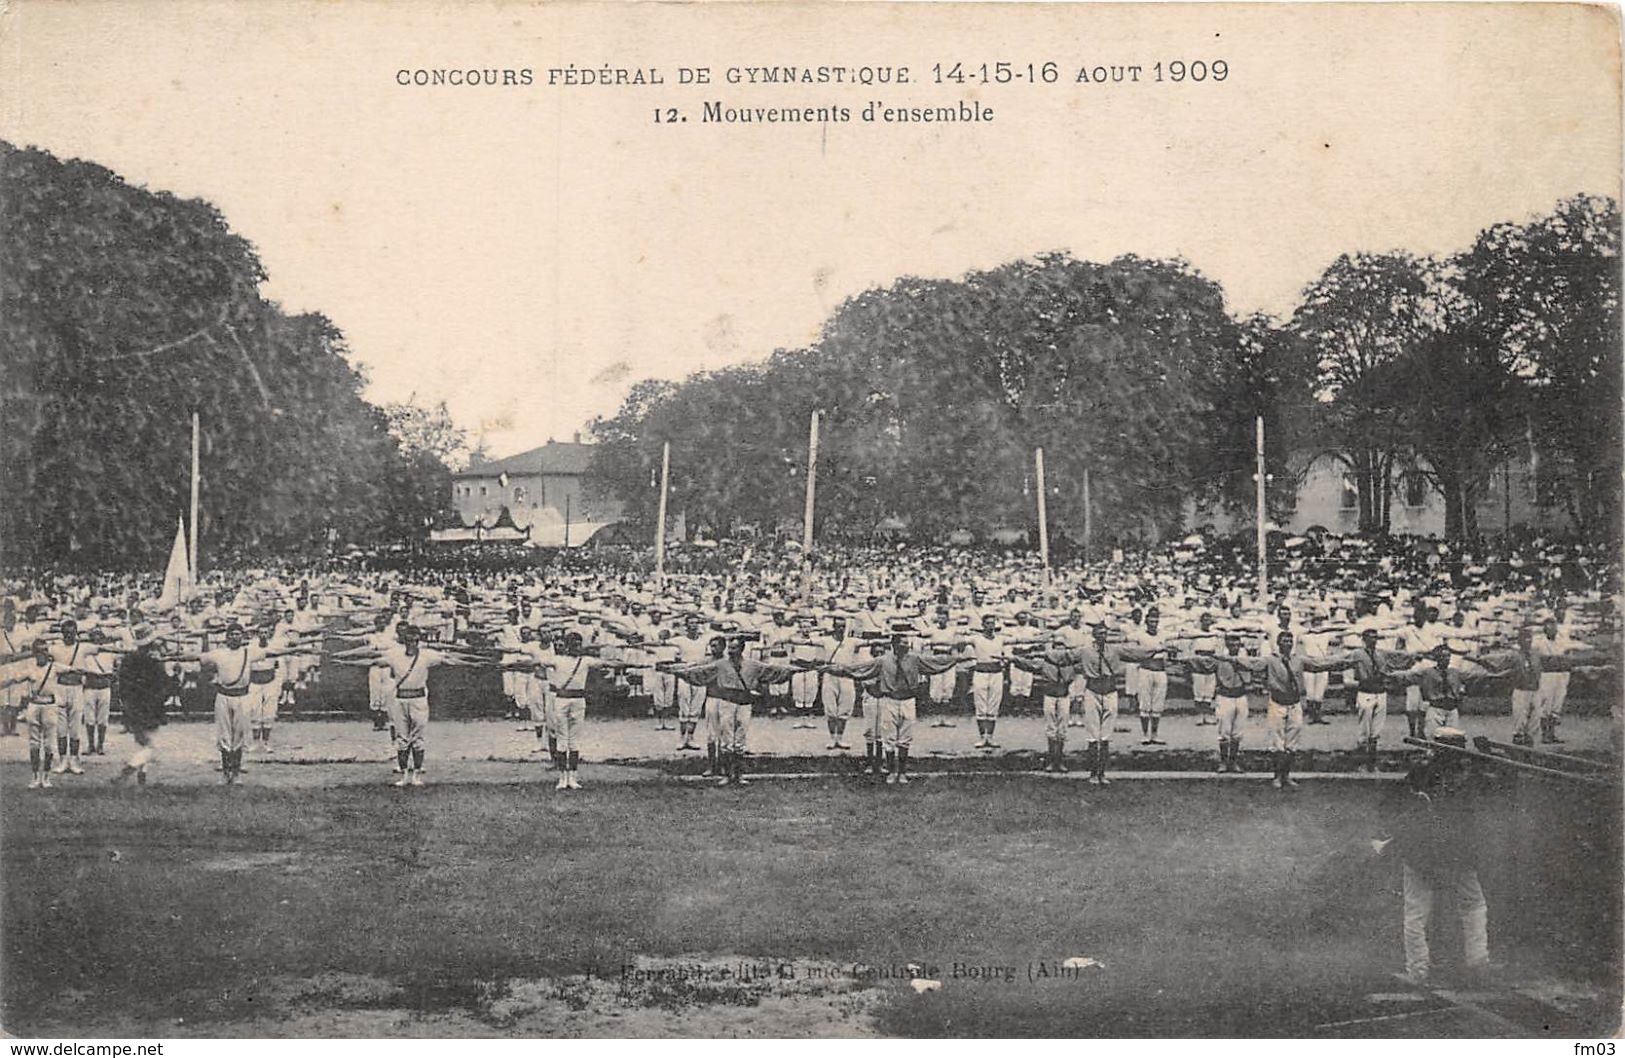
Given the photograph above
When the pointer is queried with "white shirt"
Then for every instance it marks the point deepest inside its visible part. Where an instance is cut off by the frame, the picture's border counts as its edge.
(411, 671)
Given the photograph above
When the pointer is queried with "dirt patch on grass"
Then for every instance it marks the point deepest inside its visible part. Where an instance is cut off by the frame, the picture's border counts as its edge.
(252, 861)
(688, 996)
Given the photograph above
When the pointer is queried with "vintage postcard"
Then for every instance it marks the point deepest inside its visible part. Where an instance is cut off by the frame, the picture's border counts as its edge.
(535, 520)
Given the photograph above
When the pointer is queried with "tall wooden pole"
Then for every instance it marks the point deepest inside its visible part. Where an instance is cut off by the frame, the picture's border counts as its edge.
(192, 542)
(1043, 513)
(812, 488)
(1088, 518)
(1263, 568)
(566, 521)
(1506, 496)
(807, 513)
(660, 525)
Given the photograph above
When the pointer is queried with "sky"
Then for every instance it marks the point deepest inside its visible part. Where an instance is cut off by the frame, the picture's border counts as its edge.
(526, 253)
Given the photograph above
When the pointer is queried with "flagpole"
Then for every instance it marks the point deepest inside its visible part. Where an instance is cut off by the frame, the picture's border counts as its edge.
(1043, 514)
(807, 514)
(1260, 515)
(192, 553)
(660, 525)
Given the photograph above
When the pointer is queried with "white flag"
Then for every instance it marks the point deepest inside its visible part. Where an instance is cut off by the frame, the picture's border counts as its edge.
(178, 574)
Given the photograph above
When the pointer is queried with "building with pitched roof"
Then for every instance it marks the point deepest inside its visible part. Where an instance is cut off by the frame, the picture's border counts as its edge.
(543, 490)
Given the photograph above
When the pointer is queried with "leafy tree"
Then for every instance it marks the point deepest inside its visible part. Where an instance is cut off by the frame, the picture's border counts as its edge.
(1272, 375)
(934, 394)
(121, 312)
(1547, 295)
(428, 430)
(1360, 317)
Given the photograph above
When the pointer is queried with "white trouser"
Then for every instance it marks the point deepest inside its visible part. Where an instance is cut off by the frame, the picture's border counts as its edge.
(1419, 891)
(690, 701)
(262, 703)
(733, 723)
(1153, 691)
(572, 713)
(98, 703)
(662, 686)
(1553, 692)
(897, 722)
(1099, 715)
(987, 694)
(1523, 712)
(1285, 724)
(1438, 717)
(1231, 713)
(70, 711)
(414, 714)
(231, 720)
(41, 719)
(804, 690)
(1055, 716)
(394, 713)
(1371, 708)
(840, 695)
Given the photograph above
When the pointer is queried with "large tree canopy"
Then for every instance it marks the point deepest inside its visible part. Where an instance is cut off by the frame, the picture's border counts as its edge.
(121, 312)
(1453, 366)
(935, 393)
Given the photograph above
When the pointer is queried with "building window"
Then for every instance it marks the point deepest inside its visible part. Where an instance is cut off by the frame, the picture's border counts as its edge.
(1349, 500)
(1416, 488)
(482, 490)
(518, 494)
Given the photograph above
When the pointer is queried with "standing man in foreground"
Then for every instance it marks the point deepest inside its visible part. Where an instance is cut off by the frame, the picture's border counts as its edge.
(733, 683)
(408, 664)
(897, 677)
(1283, 679)
(1432, 831)
(1371, 670)
(144, 685)
(1226, 678)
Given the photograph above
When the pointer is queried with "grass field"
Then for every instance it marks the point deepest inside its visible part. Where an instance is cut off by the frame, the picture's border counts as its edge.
(503, 910)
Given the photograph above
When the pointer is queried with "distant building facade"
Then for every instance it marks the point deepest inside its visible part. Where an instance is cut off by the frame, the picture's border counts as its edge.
(1329, 497)
(542, 490)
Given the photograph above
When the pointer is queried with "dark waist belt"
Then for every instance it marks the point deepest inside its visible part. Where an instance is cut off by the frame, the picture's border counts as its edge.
(895, 697)
(1379, 688)
(988, 666)
(1445, 703)
(71, 679)
(232, 692)
(1277, 700)
(262, 677)
(98, 683)
(412, 692)
(1231, 692)
(729, 694)
(1153, 666)
(570, 694)
(1101, 684)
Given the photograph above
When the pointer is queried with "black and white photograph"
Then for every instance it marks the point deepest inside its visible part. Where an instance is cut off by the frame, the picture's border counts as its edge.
(633, 520)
